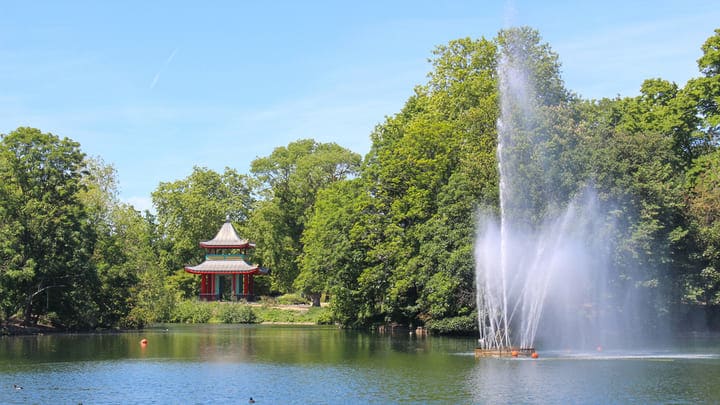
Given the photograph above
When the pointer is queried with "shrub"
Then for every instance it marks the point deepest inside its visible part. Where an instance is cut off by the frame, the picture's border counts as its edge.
(192, 312)
(291, 299)
(136, 318)
(237, 313)
(267, 300)
(267, 314)
(321, 316)
(459, 325)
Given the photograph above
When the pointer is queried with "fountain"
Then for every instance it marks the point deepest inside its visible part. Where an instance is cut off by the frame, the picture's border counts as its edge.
(546, 257)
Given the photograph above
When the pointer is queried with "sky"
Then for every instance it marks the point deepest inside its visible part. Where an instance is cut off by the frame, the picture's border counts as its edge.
(155, 88)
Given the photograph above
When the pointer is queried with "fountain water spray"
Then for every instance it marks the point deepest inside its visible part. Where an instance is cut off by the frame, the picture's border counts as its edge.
(545, 258)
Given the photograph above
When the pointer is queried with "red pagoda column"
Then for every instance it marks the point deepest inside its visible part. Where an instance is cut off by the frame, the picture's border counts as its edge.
(246, 285)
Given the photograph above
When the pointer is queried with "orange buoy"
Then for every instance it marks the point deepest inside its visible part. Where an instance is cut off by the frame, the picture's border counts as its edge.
(514, 353)
(534, 355)
(143, 342)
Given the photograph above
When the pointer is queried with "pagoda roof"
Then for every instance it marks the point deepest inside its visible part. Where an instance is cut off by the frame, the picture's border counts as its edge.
(227, 238)
(225, 267)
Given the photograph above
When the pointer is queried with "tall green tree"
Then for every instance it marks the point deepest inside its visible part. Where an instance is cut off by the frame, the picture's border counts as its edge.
(704, 93)
(430, 168)
(193, 209)
(331, 258)
(47, 237)
(700, 281)
(100, 198)
(288, 183)
(702, 287)
(132, 287)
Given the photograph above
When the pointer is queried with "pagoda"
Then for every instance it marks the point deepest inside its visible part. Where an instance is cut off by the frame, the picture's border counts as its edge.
(225, 256)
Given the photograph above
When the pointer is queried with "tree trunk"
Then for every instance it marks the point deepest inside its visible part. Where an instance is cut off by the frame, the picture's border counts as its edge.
(315, 297)
(27, 311)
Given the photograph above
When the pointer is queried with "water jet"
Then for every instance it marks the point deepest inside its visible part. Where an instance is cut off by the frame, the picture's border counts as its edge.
(547, 255)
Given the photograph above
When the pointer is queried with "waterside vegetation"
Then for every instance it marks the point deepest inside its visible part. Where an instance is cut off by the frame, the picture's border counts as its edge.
(387, 238)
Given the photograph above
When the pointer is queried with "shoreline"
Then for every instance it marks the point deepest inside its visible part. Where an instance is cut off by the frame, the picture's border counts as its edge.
(19, 331)
(16, 328)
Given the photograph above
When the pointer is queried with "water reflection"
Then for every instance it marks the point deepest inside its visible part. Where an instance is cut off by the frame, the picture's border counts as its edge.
(199, 364)
(658, 377)
(293, 365)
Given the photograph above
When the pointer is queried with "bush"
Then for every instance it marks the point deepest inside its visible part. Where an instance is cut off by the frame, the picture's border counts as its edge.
(459, 325)
(192, 312)
(136, 318)
(291, 299)
(267, 314)
(321, 316)
(236, 313)
(267, 300)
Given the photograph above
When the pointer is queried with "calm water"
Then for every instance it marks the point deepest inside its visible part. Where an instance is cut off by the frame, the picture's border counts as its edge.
(313, 365)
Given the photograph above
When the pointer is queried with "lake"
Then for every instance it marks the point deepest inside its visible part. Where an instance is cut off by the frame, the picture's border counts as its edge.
(197, 364)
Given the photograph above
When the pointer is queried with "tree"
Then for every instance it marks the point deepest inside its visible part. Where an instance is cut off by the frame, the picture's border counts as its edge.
(100, 198)
(701, 284)
(429, 169)
(125, 256)
(524, 46)
(703, 183)
(705, 94)
(331, 257)
(192, 209)
(289, 181)
(47, 238)
(665, 109)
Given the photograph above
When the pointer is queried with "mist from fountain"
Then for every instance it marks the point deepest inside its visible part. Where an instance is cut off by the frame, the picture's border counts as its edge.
(547, 256)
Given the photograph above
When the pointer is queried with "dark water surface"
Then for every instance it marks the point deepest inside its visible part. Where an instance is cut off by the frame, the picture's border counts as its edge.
(228, 364)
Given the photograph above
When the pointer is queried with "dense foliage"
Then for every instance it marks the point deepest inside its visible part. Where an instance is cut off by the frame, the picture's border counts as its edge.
(387, 238)
(46, 238)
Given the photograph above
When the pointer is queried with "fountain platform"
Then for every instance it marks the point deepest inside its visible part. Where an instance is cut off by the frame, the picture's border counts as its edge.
(505, 352)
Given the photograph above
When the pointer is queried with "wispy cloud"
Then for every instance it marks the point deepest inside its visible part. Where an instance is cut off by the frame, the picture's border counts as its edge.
(162, 69)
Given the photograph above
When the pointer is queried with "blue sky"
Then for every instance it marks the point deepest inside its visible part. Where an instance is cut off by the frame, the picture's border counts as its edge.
(155, 88)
